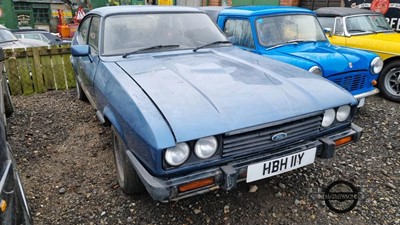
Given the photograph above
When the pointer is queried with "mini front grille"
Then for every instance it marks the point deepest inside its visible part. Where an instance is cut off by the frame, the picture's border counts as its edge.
(261, 139)
(351, 82)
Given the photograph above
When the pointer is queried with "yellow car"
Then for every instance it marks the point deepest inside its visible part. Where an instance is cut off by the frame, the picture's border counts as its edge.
(367, 30)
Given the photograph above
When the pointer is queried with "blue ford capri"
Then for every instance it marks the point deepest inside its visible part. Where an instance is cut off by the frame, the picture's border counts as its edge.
(191, 113)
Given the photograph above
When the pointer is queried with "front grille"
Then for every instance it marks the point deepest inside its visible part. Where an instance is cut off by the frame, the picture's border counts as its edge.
(351, 82)
(261, 140)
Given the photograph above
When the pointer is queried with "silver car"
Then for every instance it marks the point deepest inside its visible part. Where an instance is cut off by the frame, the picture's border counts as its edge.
(8, 40)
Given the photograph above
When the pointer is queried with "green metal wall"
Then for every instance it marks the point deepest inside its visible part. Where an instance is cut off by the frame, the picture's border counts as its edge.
(8, 17)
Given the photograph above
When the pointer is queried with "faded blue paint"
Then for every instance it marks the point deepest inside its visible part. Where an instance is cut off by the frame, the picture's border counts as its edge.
(160, 98)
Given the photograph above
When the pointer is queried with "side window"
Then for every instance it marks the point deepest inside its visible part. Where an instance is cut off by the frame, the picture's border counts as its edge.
(83, 31)
(44, 38)
(240, 31)
(338, 28)
(33, 36)
(94, 35)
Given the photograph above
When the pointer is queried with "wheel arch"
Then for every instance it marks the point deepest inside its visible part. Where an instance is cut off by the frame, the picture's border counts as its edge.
(110, 119)
(391, 59)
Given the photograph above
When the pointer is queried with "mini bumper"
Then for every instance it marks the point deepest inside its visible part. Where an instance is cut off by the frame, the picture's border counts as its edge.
(361, 97)
(227, 176)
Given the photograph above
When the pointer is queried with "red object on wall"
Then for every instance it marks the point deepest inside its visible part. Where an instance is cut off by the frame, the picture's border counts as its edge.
(381, 6)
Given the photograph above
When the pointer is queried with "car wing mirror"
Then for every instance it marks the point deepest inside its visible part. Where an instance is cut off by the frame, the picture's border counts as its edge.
(328, 32)
(81, 50)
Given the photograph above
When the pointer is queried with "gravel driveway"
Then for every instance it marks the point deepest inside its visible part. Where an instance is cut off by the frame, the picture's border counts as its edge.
(67, 165)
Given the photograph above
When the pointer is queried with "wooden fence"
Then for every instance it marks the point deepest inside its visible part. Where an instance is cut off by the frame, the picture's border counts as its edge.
(39, 69)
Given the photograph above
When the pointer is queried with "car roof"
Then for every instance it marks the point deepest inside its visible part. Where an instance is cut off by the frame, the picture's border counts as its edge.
(28, 30)
(264, 10)
(343, 11)
(105, 11)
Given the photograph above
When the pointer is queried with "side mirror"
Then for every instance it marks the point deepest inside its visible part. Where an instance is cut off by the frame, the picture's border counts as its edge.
(328, 32)
(80, 50)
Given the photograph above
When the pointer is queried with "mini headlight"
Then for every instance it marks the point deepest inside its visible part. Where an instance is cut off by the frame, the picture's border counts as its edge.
(206, 147)
(316, 70)
(329, 117)
(376, 65)
(343, 113)
(177, 155)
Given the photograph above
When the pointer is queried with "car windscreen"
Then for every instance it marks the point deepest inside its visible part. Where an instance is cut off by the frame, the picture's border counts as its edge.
(6, 35)
(367, 24)
(127, 33)
(278, 30)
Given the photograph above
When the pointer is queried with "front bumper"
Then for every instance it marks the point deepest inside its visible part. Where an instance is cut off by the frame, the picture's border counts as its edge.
(361, 97)
(227, 176)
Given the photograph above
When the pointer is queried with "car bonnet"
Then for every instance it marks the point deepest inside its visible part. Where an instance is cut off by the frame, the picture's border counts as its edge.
(210, 92)
(331, 59)
(379, 42)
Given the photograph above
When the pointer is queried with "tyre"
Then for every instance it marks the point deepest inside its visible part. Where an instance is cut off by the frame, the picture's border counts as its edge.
(8, 105)
(23, 212)
(128, 179)
(389, 81)
(79, 91)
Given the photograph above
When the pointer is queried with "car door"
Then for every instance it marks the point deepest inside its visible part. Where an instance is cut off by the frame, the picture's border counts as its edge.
(87, 65)
(338, 33)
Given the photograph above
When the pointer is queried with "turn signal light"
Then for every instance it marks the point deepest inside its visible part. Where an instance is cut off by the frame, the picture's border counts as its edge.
(374, 82)
(196, 184)
(343, 141)
(3, 205)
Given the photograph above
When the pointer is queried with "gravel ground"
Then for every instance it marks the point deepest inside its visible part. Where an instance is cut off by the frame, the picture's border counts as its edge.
(67, 166)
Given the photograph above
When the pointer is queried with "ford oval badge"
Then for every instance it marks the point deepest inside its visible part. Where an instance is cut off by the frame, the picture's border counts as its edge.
(279, 136)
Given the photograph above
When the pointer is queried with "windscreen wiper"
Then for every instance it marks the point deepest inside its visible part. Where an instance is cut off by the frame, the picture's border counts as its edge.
(212, 43)
(149, 48)
(300, 40)
(357, 30)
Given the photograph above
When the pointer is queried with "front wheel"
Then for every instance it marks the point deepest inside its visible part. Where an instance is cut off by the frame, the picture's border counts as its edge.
(8, 105)
(128, 178)
(389, 81)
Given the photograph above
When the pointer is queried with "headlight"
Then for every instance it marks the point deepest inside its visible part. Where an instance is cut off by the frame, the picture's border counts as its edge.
(376, 65)
(343, 113)
(316, 70)
(177, 155)
(329, 117)
(205, 147)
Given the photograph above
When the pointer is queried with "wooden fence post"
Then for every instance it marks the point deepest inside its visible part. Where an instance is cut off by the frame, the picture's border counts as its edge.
(24, 71)
(69, 71)
(13, 77)
(37, 72)
(56, 57)
(47, 68)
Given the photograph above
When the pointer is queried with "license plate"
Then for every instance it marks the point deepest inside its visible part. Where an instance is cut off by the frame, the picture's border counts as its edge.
(277, 166)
